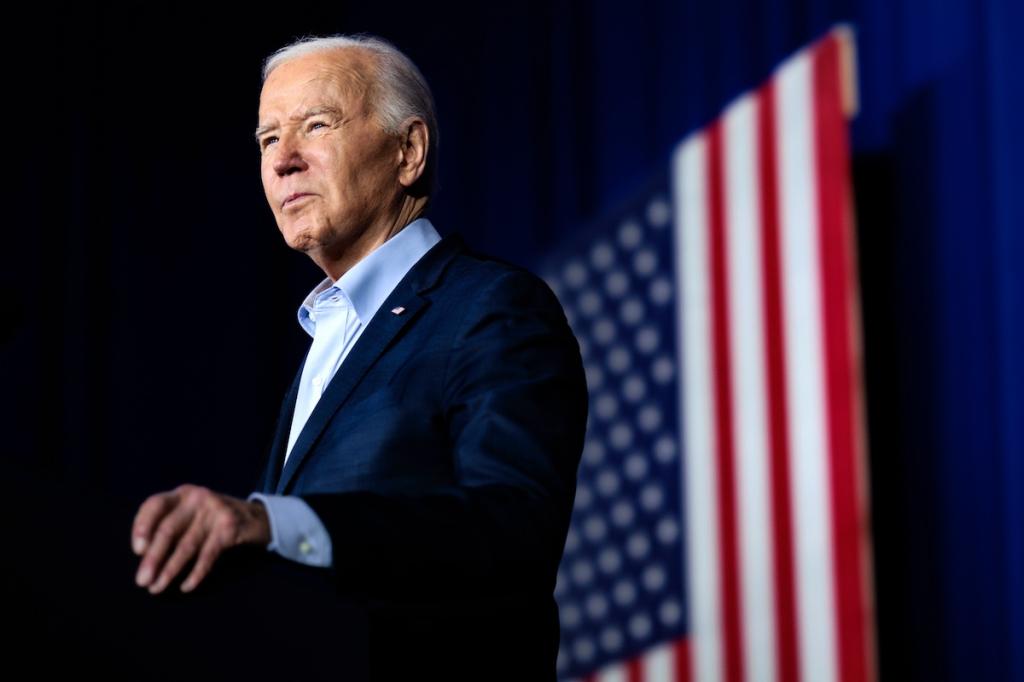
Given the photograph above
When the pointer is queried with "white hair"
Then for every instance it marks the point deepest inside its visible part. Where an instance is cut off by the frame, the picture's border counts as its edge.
(398, 90)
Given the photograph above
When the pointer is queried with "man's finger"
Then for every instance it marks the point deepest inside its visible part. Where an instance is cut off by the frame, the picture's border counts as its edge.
(166, 534)
(149, 515)
(186, 548)
(207, 556)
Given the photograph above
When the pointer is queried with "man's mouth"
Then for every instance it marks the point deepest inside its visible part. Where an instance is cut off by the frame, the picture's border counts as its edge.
(295, 197)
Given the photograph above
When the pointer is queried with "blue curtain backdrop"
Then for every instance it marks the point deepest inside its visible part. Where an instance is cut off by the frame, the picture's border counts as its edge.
(148, 300)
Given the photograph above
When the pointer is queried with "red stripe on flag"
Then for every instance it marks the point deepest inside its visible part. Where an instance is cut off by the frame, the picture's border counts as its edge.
(778, 420)
(837, 306)
(728, 547)
(681, 658)
(635, 669)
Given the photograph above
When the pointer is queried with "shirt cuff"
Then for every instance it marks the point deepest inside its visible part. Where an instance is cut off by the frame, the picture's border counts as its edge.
(296, 532)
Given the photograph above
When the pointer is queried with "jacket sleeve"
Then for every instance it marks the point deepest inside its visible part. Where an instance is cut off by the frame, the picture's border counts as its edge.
(515, 406)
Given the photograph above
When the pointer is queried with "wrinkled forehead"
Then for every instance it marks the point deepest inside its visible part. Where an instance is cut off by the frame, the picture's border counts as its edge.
(341, 76)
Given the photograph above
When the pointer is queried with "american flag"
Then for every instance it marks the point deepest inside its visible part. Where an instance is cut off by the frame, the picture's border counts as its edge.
(720, 530)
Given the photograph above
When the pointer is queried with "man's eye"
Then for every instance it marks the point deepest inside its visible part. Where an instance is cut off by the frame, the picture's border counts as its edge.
(314, 124)
(268, 140)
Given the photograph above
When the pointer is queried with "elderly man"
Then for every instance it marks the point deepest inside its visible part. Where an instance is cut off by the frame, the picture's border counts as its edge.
(426, 453)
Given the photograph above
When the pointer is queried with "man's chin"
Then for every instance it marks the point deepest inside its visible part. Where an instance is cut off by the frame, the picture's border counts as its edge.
(302, 245)
(300, 240)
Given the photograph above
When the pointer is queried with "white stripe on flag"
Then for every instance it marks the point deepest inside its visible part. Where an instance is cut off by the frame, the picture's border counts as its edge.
(658, 664)
(746, 345)
(689, 186)
(805, 380)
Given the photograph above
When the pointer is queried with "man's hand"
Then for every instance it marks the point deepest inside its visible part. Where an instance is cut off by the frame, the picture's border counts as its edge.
(188, 520)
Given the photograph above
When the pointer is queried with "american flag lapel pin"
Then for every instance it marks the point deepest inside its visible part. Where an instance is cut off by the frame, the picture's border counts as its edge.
(398, 310)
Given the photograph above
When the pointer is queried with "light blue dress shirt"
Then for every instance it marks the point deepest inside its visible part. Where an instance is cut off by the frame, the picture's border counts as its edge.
(335, 315)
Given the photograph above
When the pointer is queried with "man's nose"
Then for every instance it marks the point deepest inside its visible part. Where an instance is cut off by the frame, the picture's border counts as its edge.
(289, 158)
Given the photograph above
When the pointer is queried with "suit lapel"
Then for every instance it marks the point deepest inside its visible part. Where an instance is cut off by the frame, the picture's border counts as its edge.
(378, 336)
(284, 427)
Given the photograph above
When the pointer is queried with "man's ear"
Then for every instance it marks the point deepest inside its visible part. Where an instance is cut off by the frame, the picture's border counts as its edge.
(414, 142)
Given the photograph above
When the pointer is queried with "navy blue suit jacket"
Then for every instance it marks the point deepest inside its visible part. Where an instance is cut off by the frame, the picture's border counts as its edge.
(442, 460)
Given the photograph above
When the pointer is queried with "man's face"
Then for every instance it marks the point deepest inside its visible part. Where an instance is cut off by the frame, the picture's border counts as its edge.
(319, 139)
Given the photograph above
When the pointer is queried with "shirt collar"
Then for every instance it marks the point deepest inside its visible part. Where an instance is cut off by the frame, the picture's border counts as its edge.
(367, 283)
